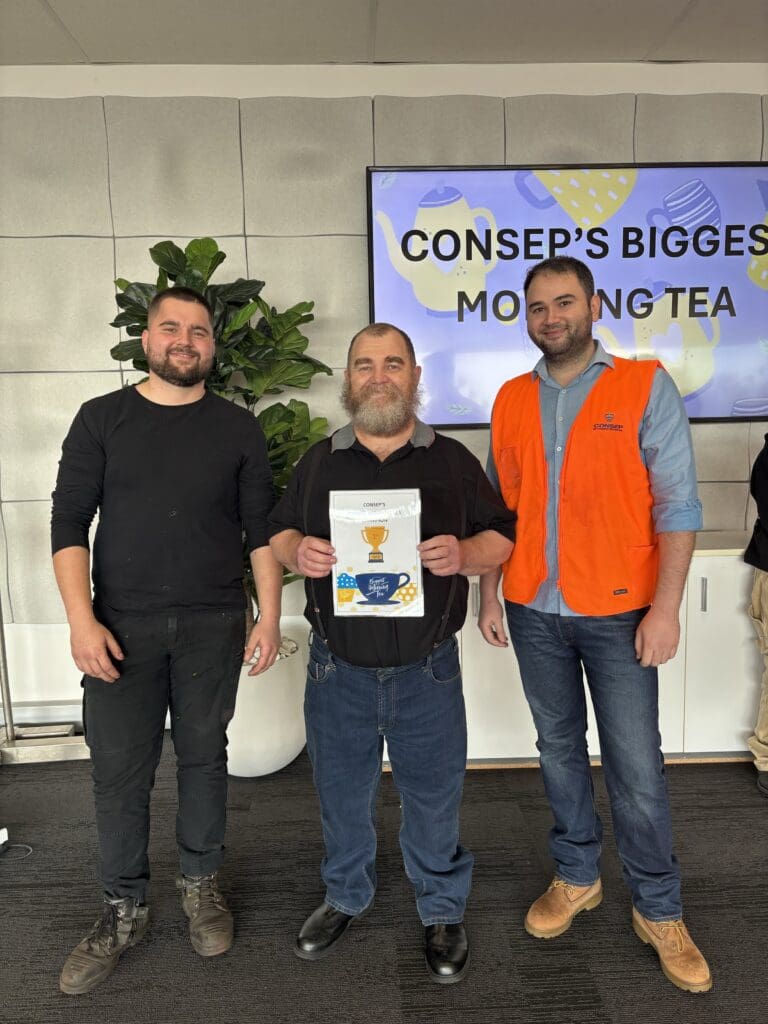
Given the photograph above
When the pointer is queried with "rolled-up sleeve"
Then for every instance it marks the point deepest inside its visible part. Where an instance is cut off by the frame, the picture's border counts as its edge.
(79, 485)
(665, 441)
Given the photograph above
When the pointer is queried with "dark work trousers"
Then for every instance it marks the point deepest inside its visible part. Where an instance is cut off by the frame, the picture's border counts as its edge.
(189, 663)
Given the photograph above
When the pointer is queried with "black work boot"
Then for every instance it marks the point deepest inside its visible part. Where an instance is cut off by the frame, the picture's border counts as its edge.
(211, 928)
(122, 923)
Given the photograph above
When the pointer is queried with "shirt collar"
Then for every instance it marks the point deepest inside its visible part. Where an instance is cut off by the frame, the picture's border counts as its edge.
(600, 356)
(422, 437)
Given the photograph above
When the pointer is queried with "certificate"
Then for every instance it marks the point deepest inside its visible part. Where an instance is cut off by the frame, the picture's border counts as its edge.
(378, 568)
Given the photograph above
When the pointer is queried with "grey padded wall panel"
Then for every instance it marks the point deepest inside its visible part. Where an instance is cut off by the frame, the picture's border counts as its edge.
(438, 130)
(721, 450)
(765, 127)
(304, 164)
(711, 127)
(66, 326)
(569, 129)
(332, 272)
(53, 167)
(5, 596)
(175, 166)
(34, 595)
(724, 505)
(36, 410)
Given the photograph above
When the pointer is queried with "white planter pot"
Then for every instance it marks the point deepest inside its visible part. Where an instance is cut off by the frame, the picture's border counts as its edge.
(267, 730)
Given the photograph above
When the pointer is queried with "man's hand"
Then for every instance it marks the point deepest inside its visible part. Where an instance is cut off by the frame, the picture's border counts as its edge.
(93, 648)
(490, 622)
(264, 638)
(657, 637)
(315, 557)
(442, 555)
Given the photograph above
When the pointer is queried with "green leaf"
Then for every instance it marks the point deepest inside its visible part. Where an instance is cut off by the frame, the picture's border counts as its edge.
(162, 281)
(240, 319)
(191, 278)
(169, 257)
(122, 284)
(203, 255)
(239, 291)
(126, 350)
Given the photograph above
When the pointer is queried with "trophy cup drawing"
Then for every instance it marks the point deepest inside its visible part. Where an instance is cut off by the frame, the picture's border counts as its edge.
(375, 534)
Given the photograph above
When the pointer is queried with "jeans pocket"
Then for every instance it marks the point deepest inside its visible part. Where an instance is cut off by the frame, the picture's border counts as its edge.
(320, 664)
(443, 665)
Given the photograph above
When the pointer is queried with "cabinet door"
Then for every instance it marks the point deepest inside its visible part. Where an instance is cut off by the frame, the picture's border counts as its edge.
(499, 722)
(722, 674)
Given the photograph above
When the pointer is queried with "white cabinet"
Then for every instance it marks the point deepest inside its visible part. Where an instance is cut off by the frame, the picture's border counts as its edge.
(708, 693)
(722, 662)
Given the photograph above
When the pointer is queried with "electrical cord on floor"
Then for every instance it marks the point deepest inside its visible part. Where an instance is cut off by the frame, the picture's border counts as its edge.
(6, 848)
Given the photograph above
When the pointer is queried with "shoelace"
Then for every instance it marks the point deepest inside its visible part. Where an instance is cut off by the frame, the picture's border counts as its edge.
(679, 929)
(206, 891)
(104, 933)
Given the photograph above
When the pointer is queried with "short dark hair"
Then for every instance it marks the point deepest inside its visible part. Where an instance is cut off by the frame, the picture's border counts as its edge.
(378, 331)
(563, 265)
(181, 293)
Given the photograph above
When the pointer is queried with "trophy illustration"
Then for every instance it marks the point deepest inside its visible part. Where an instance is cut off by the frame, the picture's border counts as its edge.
(375, 535)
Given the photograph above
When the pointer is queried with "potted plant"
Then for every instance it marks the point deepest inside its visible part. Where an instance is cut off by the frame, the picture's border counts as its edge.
(259, 352)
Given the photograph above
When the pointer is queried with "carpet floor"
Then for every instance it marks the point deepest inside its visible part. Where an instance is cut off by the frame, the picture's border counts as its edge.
(597, 973)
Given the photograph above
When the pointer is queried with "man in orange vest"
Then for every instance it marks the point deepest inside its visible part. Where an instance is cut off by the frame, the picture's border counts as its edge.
(594, 454)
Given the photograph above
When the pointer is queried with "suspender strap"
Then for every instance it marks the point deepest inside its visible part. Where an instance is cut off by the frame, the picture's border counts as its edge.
(314, 456)
(458, 486)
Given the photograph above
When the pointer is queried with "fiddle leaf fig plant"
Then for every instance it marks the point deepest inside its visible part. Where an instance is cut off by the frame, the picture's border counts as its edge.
(259, 351)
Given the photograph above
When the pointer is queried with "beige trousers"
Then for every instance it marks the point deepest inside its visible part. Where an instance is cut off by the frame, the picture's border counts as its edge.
(758, 612)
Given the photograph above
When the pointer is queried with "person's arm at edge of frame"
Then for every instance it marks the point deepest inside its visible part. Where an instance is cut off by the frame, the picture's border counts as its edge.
(91, 643)
(665, 438)
(265, 635)
(490, 618)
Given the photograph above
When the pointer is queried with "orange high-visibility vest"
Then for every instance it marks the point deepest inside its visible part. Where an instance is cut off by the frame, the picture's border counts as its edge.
(607, 546)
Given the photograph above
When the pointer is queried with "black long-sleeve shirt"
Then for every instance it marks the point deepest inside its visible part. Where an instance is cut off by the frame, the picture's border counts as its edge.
(757, 550)
(175, 487)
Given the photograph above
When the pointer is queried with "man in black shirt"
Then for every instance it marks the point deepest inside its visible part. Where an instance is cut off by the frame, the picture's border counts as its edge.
(176, 474)
(385, 676)
(757, 555)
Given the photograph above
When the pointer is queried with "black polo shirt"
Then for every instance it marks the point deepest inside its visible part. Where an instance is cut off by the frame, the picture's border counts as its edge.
(449, 478)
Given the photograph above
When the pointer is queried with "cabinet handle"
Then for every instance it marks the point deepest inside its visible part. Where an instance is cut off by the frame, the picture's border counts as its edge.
(475, 598)
(703, 593)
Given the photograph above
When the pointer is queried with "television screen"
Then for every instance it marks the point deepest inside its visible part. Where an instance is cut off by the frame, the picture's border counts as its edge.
(679, 254)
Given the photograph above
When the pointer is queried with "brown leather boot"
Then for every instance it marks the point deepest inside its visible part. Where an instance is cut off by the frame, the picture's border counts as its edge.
(680, 958)
(551, 914)
(211, 929)
(120, 926)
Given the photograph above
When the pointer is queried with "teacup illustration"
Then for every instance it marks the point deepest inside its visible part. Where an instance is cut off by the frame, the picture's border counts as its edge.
(378, 587)
(590, 196)
(688, 206)
(375, 535)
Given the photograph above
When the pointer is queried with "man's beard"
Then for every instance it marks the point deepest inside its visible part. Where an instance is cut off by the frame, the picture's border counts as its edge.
(181, 376)
(380, 419)
(569, 347)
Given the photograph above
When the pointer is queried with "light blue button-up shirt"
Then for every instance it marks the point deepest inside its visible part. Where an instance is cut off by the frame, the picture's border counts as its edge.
(665, 448)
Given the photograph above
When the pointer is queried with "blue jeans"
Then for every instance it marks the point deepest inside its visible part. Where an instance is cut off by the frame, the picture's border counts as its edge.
(551, 650)
(190, 663)
(419, 708)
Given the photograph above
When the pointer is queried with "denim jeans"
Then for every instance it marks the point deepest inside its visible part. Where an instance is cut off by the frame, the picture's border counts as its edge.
(551, 650)
(419, 708)
(190, 663)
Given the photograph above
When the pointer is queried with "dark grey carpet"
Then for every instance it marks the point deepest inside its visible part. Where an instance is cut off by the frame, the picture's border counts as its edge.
(597, 973)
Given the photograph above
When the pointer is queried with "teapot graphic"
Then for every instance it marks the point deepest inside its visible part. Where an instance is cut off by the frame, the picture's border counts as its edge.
(436, 283)
(684, 345)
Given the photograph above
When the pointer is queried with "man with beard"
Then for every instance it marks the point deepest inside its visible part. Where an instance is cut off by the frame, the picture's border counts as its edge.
(177, 475)
(398, 679)
(594, 454)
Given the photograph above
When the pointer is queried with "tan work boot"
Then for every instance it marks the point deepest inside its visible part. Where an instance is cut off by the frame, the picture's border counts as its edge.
(120, 926)
(551, 914)
(680, 959)
(211, 929)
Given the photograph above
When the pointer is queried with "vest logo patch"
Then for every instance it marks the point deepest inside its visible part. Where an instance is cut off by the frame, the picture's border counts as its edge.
(608, 426)
(623, 590)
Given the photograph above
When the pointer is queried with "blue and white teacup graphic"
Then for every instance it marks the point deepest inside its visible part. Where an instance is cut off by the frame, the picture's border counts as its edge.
(688, 206)
(378, 587)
